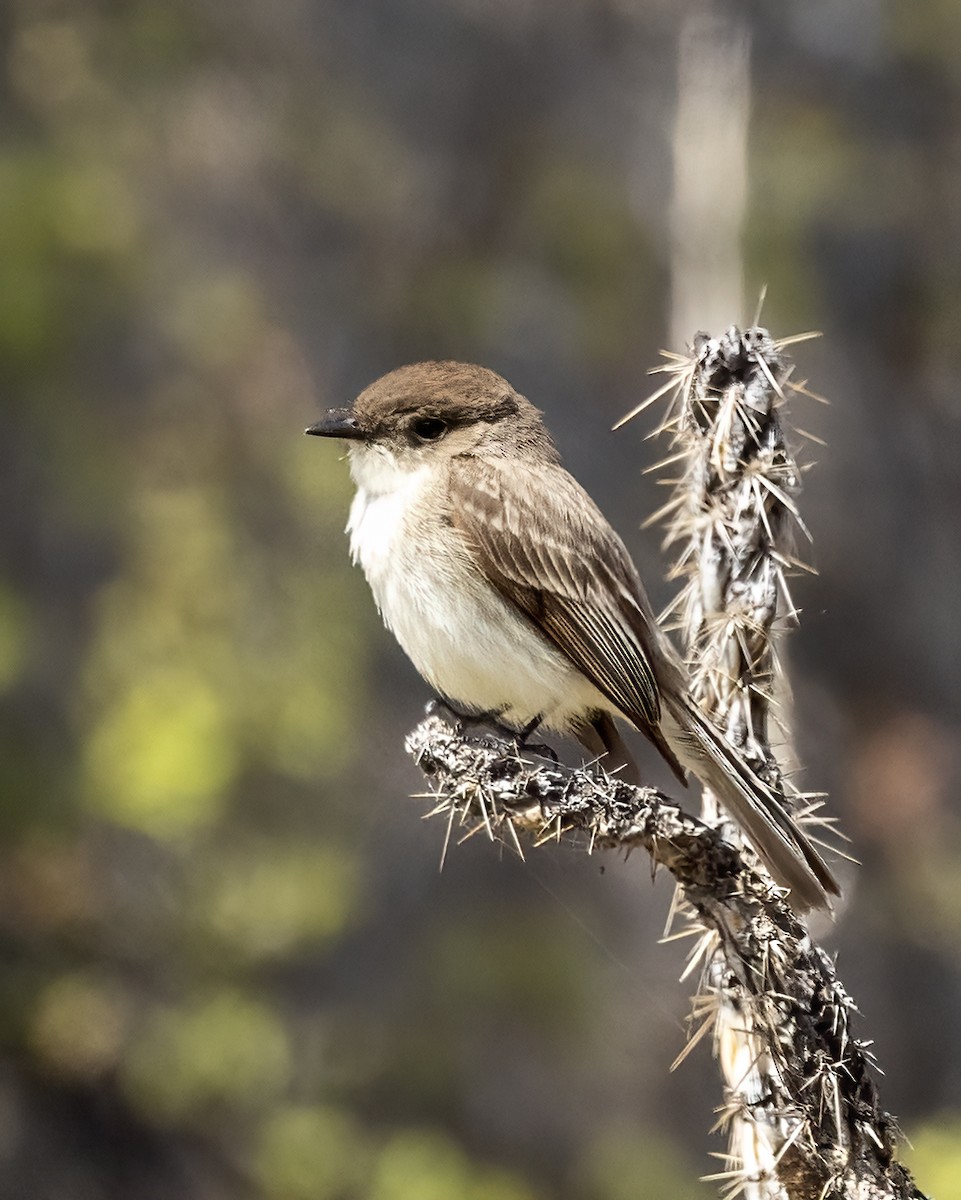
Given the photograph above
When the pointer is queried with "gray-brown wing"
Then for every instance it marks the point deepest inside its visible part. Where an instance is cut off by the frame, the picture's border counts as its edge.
(544, 544)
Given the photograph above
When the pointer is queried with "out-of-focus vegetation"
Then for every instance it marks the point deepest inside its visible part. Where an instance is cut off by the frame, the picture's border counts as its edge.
(230, 967)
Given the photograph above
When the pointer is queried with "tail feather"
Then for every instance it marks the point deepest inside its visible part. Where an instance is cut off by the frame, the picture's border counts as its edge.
(780, 844)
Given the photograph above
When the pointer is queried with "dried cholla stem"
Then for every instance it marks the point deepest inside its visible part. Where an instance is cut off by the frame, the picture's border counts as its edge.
(731, 517)
(800, 1103)
(837, 1140)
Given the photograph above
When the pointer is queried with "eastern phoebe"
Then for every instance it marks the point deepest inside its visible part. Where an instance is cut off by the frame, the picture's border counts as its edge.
(511, 594)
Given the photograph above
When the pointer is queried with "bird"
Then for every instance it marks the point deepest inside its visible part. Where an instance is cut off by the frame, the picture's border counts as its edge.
(514, 597)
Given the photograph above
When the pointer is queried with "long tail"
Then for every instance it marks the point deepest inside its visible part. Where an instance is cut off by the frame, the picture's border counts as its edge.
(786, 852)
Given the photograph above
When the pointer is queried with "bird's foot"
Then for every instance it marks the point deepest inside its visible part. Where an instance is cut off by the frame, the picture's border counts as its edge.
(492, 719)
(541, 749)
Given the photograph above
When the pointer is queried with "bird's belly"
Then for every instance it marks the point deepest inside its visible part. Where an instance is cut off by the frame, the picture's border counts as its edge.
(461, 635)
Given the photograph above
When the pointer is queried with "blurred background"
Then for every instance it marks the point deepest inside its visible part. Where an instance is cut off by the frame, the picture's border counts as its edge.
(231, 966)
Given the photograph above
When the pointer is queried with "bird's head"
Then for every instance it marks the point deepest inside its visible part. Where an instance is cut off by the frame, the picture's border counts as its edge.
(426, 413)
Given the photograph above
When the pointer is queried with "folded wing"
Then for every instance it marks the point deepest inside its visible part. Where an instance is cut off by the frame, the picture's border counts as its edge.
(547, 548)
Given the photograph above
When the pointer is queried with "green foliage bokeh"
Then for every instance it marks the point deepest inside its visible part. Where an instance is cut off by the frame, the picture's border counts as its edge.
(229, 968)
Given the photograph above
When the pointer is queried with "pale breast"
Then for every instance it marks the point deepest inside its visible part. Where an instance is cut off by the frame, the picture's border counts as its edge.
(468, 642)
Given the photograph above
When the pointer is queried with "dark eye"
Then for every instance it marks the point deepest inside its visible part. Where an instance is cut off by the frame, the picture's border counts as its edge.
(429, 429)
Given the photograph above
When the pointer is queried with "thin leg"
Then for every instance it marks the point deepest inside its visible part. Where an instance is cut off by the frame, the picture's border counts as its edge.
(540, 748)
(529, 728)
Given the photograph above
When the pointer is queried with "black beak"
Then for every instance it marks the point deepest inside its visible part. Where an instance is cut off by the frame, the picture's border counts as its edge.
(338, 423)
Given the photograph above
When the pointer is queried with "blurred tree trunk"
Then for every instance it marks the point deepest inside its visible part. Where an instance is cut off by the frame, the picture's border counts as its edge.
(709, 191)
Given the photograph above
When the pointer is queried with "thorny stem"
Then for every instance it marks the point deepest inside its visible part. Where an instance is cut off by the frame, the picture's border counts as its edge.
(800, 1102)
(796, 1125)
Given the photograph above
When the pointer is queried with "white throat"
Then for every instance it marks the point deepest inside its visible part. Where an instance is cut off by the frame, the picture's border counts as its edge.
(376, 471)
(387, 495)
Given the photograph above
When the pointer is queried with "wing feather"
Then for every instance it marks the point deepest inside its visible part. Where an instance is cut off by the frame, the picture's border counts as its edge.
(547, 548)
